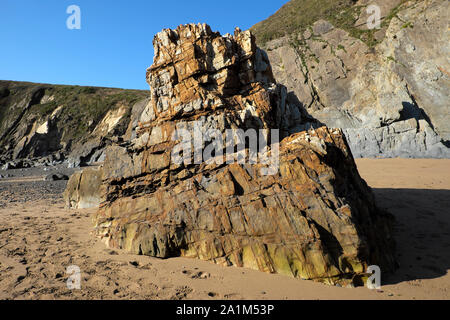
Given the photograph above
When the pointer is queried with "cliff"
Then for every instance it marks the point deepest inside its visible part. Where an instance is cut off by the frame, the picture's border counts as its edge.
(41, 123)
(386, 88)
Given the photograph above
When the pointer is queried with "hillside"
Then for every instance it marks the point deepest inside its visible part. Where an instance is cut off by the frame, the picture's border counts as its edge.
(296, 16)
(56, 121)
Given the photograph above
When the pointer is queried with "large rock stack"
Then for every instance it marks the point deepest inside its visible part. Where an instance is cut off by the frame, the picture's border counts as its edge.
(311, 218)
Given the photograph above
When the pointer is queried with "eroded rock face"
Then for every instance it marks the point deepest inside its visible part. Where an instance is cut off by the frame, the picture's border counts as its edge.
(391, 100)
(419, 43)
(314, 218)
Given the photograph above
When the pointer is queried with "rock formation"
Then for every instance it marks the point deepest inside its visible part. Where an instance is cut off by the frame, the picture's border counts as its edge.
(390, 94)
(311, 218)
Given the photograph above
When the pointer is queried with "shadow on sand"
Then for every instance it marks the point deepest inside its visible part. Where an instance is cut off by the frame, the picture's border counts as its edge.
(422, 232)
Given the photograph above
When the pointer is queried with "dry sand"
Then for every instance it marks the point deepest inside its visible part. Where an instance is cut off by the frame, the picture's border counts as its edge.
(39, 239)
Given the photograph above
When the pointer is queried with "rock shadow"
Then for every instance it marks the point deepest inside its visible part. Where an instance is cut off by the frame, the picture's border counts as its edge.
(422, 232)
(412, 111)
(306, 116)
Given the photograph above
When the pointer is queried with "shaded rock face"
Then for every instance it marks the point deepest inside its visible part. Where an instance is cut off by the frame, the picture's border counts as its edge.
(83, 189)
(313, 218)
(392, 99)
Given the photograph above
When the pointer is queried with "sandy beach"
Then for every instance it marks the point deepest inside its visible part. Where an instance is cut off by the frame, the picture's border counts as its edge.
(39, 239)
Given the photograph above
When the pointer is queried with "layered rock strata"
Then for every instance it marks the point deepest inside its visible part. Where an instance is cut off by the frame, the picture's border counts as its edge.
(311, 218)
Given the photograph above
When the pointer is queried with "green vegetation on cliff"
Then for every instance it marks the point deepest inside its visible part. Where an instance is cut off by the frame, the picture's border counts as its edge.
(298, 15)
(85, 107)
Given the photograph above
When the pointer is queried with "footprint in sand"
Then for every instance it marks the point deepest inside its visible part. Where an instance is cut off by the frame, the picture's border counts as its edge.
(111, 252)
(196, 274)
(181, 293)
(233, 296)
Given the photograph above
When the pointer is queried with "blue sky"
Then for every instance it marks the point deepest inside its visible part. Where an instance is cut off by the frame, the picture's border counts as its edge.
(114, 46)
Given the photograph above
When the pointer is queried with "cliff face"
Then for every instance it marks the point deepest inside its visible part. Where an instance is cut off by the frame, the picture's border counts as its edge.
(46, 123)
(310, 216)
(387, 88)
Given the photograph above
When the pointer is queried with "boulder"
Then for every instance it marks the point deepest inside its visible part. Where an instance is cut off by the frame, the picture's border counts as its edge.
(83, 189)
(306, 213)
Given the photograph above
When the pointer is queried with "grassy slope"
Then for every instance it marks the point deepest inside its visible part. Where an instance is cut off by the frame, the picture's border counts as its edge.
(297, 15)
